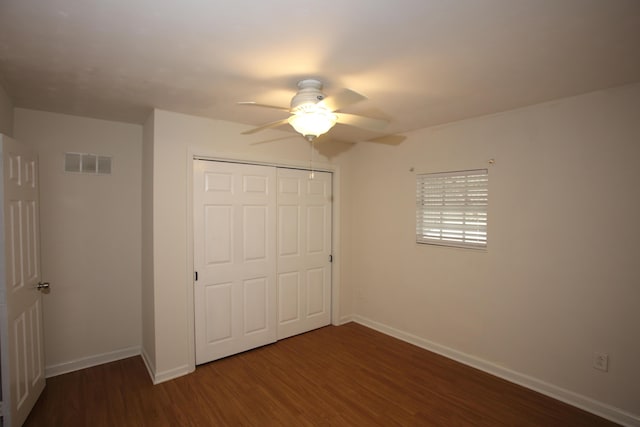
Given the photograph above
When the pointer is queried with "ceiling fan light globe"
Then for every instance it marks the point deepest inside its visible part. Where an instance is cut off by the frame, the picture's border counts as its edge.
(314, 123)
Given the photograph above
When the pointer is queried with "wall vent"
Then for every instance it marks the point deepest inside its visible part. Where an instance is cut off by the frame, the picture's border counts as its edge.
(87, 163)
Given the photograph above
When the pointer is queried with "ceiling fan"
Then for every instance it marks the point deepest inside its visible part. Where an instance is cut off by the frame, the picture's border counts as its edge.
(313, 114)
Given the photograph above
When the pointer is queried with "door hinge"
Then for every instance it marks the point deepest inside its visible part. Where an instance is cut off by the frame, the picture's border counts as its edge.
(330, 258)
(1, 413)
(195, 276)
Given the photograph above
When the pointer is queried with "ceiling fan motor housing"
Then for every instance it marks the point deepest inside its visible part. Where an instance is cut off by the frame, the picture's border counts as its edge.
(309, 94)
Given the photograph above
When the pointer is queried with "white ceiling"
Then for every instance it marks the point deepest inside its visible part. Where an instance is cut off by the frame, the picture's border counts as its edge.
(420, 62)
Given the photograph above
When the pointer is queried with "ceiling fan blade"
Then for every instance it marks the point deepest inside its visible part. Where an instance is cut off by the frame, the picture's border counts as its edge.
(342, 99)
(255, 104)
(266, 126)
(367, 123)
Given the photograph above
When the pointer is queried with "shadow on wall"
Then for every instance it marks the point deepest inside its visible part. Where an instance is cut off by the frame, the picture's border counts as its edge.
(330, 147)
(323, 145)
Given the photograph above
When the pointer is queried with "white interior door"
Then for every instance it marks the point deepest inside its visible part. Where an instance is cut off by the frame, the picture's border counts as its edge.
(234, 256)
(21, 335)
(304, 250)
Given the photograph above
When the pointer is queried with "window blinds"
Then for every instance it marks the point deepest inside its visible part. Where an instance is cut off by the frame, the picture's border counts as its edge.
(451, 208)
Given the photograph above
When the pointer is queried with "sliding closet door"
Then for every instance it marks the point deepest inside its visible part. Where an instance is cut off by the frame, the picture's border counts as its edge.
(304, 250)
(235, 258)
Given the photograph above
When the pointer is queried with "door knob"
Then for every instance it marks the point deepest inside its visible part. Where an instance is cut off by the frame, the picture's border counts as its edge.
(41, 286)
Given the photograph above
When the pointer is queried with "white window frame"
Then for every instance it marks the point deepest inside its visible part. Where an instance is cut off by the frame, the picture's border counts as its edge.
(451, 208)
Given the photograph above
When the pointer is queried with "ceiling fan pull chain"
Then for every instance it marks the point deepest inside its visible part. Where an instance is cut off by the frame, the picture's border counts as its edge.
(311, 174)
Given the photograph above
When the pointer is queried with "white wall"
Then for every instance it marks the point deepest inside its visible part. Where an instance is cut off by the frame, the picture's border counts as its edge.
(557, 283)
(148, 300)
(90, 233)
(560, 279)
(6, 113)
(176, 137)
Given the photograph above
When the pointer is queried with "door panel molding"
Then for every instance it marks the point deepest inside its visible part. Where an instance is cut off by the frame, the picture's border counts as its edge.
(302, 281)
(310, 232)
(21, 332)
(235, 256)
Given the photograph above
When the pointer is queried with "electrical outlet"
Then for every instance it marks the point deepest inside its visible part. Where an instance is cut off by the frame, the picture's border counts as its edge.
(601, 361)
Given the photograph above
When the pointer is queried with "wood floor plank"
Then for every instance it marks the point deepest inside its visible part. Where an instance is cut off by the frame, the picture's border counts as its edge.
(335, 376)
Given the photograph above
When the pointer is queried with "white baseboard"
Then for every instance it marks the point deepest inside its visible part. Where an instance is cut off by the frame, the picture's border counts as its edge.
(88, 362)
(112, 356)
(583, 402)
(345, 319)
(151, 369)
(170, 374)
(160, 377)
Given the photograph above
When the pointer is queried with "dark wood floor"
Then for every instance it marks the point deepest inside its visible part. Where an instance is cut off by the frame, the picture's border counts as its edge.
(334, 376)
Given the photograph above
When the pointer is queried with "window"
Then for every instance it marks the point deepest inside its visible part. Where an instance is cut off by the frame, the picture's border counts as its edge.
(451, 208)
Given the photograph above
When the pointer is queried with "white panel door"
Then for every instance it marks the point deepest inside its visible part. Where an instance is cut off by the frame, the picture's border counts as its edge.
(21, 335)
(304, 250)
(234, 257)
